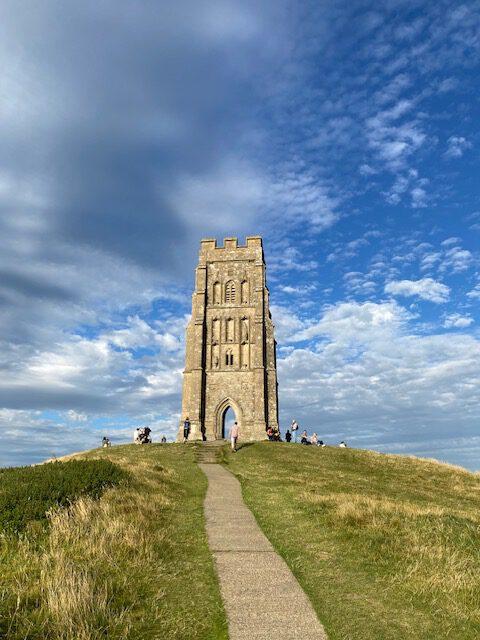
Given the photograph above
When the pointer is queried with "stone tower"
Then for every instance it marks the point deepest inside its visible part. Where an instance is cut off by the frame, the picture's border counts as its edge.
(230, 357)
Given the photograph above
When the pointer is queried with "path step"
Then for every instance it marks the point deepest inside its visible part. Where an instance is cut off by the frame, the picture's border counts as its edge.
(208, 452)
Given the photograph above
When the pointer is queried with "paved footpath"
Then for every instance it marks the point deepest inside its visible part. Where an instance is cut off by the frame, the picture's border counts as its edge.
(262, 598)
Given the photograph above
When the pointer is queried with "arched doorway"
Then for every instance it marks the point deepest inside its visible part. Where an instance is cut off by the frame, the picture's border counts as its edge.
(226, 413)
(228, 419)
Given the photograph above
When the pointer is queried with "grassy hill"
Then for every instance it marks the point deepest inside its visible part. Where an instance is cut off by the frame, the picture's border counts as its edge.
(387, 547)
(133, 563)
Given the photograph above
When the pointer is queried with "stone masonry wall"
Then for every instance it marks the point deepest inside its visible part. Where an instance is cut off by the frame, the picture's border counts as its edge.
(230, 348)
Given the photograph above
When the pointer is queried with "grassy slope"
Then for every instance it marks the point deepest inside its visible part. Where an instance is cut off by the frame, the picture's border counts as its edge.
(134, 564)
(28, 493)
(387, 547)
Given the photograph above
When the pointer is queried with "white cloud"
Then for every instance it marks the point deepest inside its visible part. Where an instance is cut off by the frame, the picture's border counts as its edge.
(419, 197)
(286, 322)
(393, 89)
(289, 258)
(211, 203)
(354, 321)
(300, 290)
(359, 283)
(408, 182)
(456, 147)
(457, 321)
(426, 289)
(449, 241)
(74, 416)
(456, 260)
(429, 260)
(367, 170)
(474, 294)
(372, 381)
(394, 142)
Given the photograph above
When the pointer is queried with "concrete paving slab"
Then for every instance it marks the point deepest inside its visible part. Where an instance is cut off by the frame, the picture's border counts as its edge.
(262, 597)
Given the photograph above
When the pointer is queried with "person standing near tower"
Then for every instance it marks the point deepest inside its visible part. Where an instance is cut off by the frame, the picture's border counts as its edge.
(234, 436)
(186, 429)
(294, 429)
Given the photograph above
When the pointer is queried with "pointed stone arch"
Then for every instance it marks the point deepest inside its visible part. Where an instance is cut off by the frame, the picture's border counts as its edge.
(221, 410)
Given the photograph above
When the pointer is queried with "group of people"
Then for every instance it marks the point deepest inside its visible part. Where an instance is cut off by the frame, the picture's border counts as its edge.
(273, 434)
(292, 435)
(142, 435)
(106, 442)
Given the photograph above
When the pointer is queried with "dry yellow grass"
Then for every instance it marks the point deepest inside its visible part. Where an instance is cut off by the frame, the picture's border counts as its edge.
(119, 567)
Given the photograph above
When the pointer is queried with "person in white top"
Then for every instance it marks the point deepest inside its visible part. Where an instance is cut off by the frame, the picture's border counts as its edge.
(234, 436)
(314, 439)
(342, 444)
(294, 430)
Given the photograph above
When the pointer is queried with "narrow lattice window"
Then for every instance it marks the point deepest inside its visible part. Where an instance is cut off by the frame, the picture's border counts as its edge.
(230, 293)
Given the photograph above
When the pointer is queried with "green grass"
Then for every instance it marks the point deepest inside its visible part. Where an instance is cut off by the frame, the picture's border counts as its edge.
(133, 564)
(28, 493)
(387, 547)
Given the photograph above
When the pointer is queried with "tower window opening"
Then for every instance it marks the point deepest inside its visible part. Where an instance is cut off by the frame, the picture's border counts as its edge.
(230, 293)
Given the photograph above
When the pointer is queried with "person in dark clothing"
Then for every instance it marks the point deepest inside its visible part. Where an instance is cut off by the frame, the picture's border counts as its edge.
(186, 429)
(288, 436)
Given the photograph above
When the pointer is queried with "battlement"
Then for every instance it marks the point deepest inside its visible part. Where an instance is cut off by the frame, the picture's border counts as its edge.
(210, 244)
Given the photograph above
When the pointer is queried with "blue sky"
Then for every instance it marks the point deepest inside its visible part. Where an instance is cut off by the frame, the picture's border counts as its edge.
(345, 133)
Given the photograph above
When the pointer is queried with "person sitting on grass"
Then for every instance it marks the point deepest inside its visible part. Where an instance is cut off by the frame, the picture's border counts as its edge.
(314, 439)
(288, 436)
(343, 445)
(321, 443)
(304, 438)
(270, 433)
